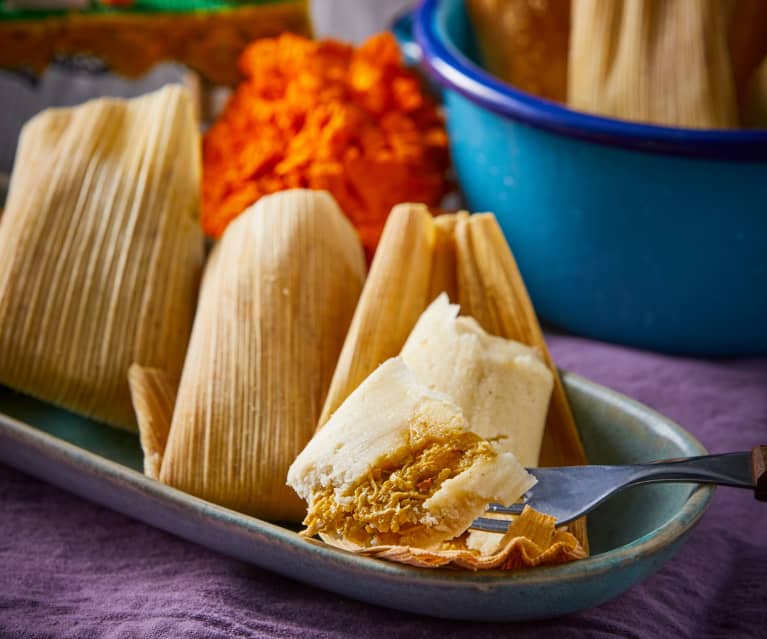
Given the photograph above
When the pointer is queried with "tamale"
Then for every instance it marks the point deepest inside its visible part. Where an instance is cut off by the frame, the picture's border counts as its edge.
(101, 251)
(277, 297)
(397, 473)
(658, 61)
(397, 464)
(502, 386)
(524, 42)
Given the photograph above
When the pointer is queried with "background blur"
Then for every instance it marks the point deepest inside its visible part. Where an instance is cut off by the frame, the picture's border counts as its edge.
(21, 97)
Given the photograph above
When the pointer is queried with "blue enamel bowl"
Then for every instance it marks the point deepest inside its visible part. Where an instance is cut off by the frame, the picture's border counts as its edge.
(649, 236)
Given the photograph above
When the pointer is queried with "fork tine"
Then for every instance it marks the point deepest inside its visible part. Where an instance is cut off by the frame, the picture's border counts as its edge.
(491, 525)
(514, 509)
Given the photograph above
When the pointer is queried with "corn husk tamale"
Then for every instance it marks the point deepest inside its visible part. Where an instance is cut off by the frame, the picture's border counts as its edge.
(277, 298)
(524, 42)
(399, 473)
(658, 61)
(398, 464)
(100, 251)
(468, 254)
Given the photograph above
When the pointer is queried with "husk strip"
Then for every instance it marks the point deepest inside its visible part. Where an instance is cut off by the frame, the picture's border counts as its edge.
(154, 396)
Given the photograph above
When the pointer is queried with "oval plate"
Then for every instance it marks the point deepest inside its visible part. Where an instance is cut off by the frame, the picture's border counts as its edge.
(631, 535)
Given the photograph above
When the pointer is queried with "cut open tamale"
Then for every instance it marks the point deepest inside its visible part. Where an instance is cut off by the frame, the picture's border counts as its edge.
(397, 473)
(100, 251)
(397, 464)
(463, 253)
(278, 294)
(658, 61)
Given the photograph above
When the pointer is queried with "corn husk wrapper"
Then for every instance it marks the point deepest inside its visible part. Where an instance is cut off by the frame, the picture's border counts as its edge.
(531, 540)
(101, 251)
(524, 42)
(154, 396)
(658, 61)
(277, 298)
(397, 288)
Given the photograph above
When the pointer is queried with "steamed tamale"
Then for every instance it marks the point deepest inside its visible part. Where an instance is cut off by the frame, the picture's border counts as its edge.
(100, 250)
(277, 297)
(658, 61)
(398, 473)
(468, 254)
(397, 464)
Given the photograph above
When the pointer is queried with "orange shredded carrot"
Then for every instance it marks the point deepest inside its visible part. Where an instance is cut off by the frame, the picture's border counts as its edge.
(324, 115)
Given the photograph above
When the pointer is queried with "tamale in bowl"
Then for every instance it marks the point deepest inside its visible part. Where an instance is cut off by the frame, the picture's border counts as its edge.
(643, 235)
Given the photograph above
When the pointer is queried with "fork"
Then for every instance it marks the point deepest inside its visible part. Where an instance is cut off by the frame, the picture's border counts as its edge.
(569, 492)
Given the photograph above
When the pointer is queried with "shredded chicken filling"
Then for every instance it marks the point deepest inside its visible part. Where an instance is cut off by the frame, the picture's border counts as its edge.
(387, 506)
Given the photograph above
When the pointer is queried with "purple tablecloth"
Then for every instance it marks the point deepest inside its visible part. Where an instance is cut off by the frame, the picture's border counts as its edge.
(72, 569)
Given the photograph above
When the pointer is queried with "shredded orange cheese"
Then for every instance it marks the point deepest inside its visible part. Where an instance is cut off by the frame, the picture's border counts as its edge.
(324, 115)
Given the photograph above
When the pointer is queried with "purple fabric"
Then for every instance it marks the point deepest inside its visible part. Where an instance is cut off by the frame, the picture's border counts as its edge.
(72, 569)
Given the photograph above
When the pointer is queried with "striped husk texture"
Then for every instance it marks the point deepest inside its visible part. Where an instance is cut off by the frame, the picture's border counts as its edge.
(154, 396)
(100, 251)
(659, 61)
(277, 298)
(396, 293)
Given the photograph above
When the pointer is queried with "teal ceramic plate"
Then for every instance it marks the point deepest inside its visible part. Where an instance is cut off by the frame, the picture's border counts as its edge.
(631, 535)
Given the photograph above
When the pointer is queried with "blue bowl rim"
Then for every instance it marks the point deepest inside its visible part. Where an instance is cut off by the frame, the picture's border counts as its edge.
(454, 70)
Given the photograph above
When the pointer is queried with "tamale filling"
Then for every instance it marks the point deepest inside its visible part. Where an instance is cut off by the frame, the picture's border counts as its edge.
(387, 505)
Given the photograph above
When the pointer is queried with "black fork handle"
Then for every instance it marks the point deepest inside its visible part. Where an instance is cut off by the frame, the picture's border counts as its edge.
(744, 470)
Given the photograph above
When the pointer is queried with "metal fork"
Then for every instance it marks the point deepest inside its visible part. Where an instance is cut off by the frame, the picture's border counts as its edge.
(572, 491)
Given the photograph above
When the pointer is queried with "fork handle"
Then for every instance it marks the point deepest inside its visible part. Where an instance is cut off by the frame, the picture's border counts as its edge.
(745, 470)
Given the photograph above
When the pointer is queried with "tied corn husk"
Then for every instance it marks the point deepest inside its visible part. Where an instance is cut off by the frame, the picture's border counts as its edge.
(524, 42)
(397, 464)
(658, 61)
(277, 297)
(100, 251)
